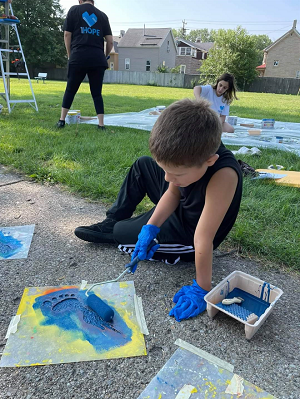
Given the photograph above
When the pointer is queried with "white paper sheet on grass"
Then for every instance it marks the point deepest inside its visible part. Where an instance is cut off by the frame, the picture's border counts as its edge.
(289, 131)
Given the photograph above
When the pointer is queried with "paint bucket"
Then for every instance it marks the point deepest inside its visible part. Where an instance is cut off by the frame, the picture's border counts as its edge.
(232, 120)
(279, 139)
(160, 108)
(78, 114)
(267, 123)
(72, 117)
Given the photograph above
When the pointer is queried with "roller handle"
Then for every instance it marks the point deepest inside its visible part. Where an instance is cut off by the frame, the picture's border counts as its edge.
(136, 260)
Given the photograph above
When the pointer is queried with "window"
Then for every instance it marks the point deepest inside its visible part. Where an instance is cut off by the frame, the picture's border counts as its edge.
(187, 51)
(182, 68)
(276, 62)
(148, 63)
(127, 64)
(298, 75)
(111, 66)
(168, 46)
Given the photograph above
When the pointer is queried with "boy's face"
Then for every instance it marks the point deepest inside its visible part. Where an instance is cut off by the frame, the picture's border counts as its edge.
(182, 176)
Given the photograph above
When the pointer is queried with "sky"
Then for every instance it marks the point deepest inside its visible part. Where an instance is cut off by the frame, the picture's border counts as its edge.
(271, 17)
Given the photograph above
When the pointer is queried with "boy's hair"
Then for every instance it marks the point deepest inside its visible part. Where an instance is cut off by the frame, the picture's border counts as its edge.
(186, 133)
(230, 93)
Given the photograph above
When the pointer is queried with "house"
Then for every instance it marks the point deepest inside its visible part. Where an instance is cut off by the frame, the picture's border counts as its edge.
(113, 61)
(190, 55)
(143, 50)
(282, 58)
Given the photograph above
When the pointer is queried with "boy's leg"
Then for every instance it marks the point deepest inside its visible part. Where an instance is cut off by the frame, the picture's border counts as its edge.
(144, 178)
(175, 241)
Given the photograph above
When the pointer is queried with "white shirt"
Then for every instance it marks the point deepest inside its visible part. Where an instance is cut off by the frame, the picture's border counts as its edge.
(218, 104)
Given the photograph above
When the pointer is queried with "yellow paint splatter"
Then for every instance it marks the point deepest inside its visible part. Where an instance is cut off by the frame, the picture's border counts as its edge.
(159, 396)
(194, 390)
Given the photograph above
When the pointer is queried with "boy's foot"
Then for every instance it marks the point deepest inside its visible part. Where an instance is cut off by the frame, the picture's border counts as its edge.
(101, 127)
(60, 124)
(100, 232)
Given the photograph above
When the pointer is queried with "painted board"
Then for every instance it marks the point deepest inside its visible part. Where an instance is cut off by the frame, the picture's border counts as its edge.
(56, 326)
(189, 376)
(15, 241)
(291, 179)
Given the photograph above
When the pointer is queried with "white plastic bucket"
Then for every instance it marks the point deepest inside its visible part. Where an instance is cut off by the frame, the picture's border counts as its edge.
(72, 117)
(232, 120)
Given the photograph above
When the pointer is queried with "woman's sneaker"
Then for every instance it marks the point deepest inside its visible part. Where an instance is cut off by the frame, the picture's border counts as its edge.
(100, 232)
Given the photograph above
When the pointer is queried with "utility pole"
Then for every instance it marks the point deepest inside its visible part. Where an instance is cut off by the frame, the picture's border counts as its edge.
(183, 28)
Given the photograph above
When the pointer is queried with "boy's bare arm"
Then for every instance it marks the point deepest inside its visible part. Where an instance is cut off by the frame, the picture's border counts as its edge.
(219, 194)
(166, 206)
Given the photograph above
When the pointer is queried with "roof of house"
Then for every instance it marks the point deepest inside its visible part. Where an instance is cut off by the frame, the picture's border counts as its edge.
(282, 37)
(262, 66)
(206, 46)
(148, 37)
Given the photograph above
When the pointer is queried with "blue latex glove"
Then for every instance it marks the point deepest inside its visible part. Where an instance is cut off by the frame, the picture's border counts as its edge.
(147, 234)
(189, 302)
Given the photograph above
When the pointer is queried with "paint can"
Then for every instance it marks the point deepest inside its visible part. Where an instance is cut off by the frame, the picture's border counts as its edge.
(232, 120)
(267, 123)
(72, 117)
(78, 114)
(160, 108)
(279, 139)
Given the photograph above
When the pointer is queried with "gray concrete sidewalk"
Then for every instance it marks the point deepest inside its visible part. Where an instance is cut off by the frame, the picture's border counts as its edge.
(56, 257)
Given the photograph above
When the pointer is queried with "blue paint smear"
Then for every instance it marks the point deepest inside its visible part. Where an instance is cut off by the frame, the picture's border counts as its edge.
(251, 304)
(9, 246)
(67, 309)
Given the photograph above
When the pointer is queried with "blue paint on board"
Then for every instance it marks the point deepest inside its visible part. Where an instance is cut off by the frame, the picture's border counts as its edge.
(68, 310)
(9, 246)
(251, 304)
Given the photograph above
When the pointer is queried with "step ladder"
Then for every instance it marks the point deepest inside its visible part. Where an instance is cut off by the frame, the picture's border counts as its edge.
(6, 25)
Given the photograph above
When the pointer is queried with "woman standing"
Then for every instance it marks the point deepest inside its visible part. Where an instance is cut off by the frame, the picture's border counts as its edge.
(220, 96)
(85, 29)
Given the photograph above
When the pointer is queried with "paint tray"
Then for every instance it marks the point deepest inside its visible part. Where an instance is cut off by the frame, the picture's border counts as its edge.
(259, 298)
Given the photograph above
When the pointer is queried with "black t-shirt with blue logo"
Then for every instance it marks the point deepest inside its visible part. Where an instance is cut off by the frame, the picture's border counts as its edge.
(89, 26)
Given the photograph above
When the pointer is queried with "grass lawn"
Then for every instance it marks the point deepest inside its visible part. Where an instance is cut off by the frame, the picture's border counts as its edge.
(94, 163)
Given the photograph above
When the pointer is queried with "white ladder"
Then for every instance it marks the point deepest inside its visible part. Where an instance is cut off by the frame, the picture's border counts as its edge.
(4, 60)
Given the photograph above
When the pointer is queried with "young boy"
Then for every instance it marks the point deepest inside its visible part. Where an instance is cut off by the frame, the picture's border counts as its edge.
(196, 186)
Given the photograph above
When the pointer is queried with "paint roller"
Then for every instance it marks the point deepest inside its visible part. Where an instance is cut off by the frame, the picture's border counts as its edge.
(100, 307)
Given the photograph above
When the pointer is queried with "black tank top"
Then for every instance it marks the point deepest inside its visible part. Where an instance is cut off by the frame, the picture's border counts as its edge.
(193, 197)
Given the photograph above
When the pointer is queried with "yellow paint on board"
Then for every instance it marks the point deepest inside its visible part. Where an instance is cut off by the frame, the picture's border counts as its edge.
(66, 342)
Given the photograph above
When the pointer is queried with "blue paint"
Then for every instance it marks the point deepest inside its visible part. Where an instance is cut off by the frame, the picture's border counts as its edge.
(67, 309)
(9, 246)
(251, 304)
(161, 381)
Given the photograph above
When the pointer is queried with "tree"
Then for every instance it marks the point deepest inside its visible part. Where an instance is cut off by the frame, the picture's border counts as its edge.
(234, 52)
(40, 31)
(203, 34)
(262, 41)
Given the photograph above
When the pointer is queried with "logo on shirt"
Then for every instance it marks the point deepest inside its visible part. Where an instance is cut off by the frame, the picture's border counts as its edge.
(221, 108)
(89, 19)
